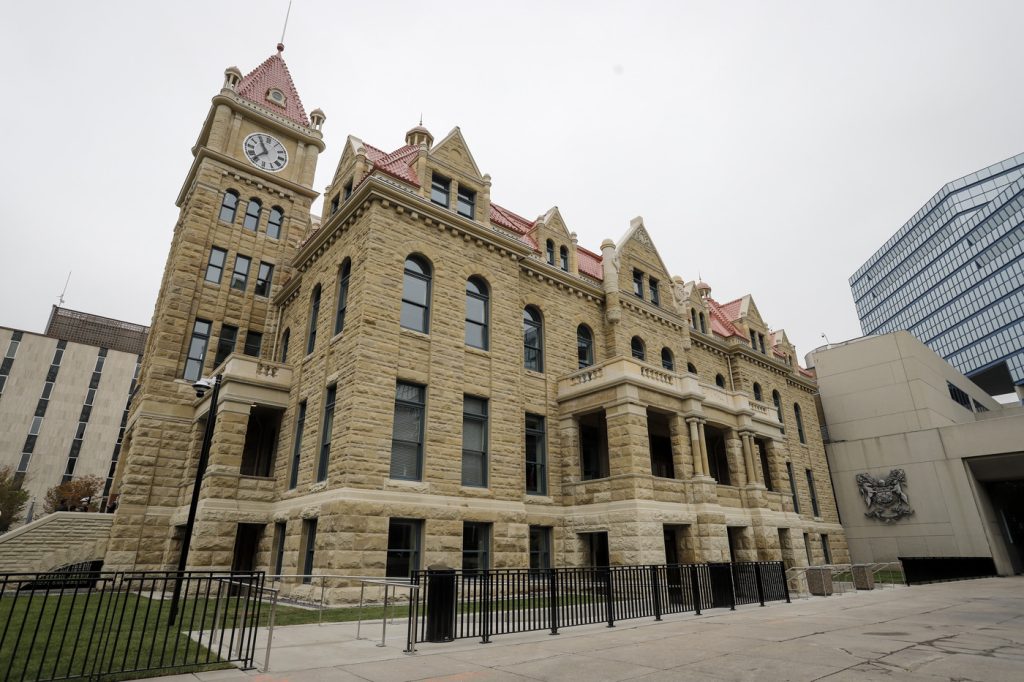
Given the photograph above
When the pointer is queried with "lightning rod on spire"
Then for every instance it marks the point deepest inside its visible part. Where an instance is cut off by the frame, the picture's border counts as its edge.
(60, 299)
(285, 29)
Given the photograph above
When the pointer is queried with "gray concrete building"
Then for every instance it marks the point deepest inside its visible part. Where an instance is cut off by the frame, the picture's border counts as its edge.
(63, 399)
(924, 463)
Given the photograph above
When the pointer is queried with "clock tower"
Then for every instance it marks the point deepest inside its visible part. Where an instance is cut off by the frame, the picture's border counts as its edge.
(244, 210)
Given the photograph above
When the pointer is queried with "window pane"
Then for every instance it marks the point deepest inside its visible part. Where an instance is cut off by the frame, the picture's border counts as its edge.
(415, 290)
(414, 317)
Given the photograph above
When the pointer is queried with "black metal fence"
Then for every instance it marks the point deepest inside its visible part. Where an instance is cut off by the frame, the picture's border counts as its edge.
(918, 570)
(91, 625)
(453, 604)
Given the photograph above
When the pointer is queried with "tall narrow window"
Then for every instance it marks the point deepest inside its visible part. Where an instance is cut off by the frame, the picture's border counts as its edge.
(274, 222)
(652, 284)
(792, 487)
(407, 432)
(777, 401)
(474, 442)
(667, 361)
(799, 423)
(813, 492)
(550, 252)
(286, 340)
(757, 392)
(536, 456)
(476, 547)
(477, 313)
(440, 190)
(314, 313)
(228, 206)
(280, 534)
(760, 342)
(215, 266)
(252, 214)
(300, 426)
(416, 295)
(466, 202)
(335, 204)
(766, 473)
(719, 381)
(703, 324)
(533, 339)
(253, 343)
(691, 368)
(540, 548)
(563, 258)
(309, 542)
(636, 347)
(343, 278)
(347, 189)
(264, 279)
(693, 318)
(753, 339)
(826, 550)
(197, 349)
(403, 547)
(240, 277)
(225, 343)
(638, 283)
(325, 435)
(584, 346)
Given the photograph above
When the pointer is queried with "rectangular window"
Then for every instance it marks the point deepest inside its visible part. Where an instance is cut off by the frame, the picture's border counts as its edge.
(753, 339)
(638, 283)
(240, 277)
(826, 549)
(792, 487)
(348, 189)
(197, 349)
(264, 279)
(403, 547)
(466, 202)
(540, 547)
(253, 343)
(476, 547)
(279, 537)
(407, 433)
(325, 436)
(766, 473)
(309, 548)
(440, 190)
(760, 342)
(655, 294)
(225, 343)
(474, 441)
(215, 266)
(536, 456)
(335, 203)
(813, 492)
(300, 426)
(959, 395)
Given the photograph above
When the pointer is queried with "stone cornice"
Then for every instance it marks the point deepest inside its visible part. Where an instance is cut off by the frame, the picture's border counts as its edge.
(270, 118)
(241, 171)
(658, 314)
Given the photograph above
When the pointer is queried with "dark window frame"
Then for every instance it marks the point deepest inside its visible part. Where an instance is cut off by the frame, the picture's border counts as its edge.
(275, 222)
(584, 346)
(411, 405)
(326, 431)
(481, 294)
(344, 278)
(204, 338)
(638, 349)
(408, 555)
(264, 279)
(424, 273)
(479, 418)
(251, 221)
(218, 267)
(314, 313)
(638, 283)
(300, 428)
(228, 209)
(537, 460)
(668, 360)
(309, 548)
(480, 555)
(652, 287)
(533, 354)
(440, 186)
(227, 341)
(240, 278)
(465, 202)
(540, 547)
(563, 258)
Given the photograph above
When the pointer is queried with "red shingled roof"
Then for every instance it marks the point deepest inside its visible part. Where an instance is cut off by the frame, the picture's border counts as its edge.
(509, 220)
(397, 164)
(273, 73)
(589, 263)
(720, 323)
(731, 310)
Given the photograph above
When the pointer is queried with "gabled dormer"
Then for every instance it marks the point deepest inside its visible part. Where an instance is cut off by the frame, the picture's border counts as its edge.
(352, 167)
(692, 304)
(642, 272)
(555, 243)
(782, 349)
(743, 313)
(450, 177)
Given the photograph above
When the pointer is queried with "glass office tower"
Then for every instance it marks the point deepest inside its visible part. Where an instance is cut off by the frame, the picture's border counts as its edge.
(953, 276)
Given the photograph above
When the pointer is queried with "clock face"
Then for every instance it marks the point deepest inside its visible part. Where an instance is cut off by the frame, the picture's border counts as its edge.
(265, 152)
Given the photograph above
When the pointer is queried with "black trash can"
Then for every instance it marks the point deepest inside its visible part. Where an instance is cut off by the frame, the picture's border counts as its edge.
(440, 582)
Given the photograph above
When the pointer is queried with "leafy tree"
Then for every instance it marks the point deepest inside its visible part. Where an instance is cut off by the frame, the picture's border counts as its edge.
(12, 499)
(68, 496)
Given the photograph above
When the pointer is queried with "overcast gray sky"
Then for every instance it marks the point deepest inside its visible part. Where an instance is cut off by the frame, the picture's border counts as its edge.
(771, 147)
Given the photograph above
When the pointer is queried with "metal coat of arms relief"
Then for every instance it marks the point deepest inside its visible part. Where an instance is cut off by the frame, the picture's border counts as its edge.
(884, 497)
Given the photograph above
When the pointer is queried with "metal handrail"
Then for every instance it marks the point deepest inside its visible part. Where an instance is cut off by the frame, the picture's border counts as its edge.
(273, 610)
(410, 641)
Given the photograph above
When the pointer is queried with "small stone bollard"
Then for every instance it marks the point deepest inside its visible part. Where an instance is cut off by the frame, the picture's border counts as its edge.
(819, 581)
(863, 577)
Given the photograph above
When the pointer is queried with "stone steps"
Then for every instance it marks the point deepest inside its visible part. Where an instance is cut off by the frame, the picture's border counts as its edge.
(55, 540)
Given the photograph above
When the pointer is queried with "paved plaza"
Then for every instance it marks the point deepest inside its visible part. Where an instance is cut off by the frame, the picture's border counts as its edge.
(971, 630)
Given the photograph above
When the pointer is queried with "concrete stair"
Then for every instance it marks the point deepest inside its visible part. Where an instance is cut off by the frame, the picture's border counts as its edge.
(55, 540)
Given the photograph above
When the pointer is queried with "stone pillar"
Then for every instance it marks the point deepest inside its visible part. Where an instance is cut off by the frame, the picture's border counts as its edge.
(695, 449)
(712, 537)
(703, 448)
(734, 455)
(682, 459)
(748, 458)
(629, 449)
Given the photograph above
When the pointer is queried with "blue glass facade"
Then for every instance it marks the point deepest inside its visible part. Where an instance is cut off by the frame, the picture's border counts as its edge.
(953, 276)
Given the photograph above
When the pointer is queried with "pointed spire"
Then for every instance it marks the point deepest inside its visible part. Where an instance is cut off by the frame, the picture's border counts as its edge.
(270, 86)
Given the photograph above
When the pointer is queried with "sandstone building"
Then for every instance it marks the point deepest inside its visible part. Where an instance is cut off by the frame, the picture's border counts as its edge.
(427, 377)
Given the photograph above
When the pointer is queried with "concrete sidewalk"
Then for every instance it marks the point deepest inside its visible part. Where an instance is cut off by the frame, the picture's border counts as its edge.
(971, 630)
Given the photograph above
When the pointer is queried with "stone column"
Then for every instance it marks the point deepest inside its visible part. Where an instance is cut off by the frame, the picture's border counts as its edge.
(734, 455)
(748, 458)
(681, 452)
(703, 448)
(695, 449)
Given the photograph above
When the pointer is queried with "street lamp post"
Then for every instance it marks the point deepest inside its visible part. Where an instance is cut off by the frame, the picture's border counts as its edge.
(204, 458)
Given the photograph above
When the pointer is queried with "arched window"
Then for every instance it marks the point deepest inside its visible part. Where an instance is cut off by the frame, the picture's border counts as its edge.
(252, 214)
(551, 252)
(667, 361)
(285, 340)
(563, 258)
(416, 294)
(636, 347)
(757, 392)
(585, 345)
(799, 423)
(703, 325)
(477, 313)
(343, 276)
(691, 368)
(228, 206)
(693, 318)
(777, 400)
(314, 312)
(533, 339)
(274, 222)
(719, 381)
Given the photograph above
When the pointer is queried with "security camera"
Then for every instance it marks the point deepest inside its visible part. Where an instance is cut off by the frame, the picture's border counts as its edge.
(202, 386)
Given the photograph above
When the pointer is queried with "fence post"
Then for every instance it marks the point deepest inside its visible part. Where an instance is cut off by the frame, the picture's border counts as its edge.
(609, 597)
(270, 630)
(553, 599)
(657, 592)
(732, 588)
(785, 580)
(760, 583)
(695, 588)
(485, 614)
